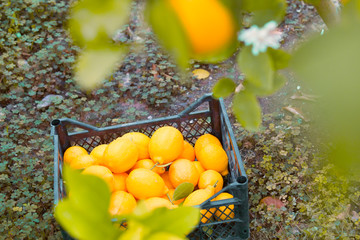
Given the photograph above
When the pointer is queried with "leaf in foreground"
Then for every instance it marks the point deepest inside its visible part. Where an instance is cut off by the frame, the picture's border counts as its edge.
(224, 88)
(247, 110)
(93, 66)
(84, 214)
(94, 22)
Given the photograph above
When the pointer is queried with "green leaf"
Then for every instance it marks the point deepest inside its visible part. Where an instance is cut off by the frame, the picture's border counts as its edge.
(165, 236)
(329, 65)
(84, 214)
(257, 69)
(224, 88)
(265, 11)
(95, 22)
(278, 82)
(168, 29)
(183, 190)
(94, 65)
(247, 110)
(180, 221)
(279, 57)
(135, 231)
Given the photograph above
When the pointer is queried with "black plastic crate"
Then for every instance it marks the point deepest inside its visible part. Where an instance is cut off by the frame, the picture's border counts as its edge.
(192, 125)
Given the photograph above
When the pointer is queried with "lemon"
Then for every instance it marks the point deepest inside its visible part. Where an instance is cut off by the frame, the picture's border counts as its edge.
(120, 155)
(143, 183)
(166, 144)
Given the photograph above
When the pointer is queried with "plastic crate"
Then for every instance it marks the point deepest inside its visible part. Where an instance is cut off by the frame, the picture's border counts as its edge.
(192, 125)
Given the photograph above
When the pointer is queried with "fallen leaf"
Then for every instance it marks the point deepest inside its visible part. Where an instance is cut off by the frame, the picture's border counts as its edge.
(302, 96)
(201, 73)
(296, 112)
(239, 88)
(344, 214)
(355, 216)
(270, 201)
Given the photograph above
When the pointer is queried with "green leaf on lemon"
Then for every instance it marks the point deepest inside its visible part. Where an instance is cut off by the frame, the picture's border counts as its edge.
(183, 190)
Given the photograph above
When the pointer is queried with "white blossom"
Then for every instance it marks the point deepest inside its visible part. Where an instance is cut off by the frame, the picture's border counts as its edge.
(261, 38)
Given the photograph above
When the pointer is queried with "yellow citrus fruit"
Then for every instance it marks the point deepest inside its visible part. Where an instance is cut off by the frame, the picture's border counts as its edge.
(120, 181)
(103, 173)
(210, 177)
(207, 23)
(156, 202)
(213, 156)
(166, 178)
(83, 161)
(205, 140)
(74, 152)
(183, 170)
(149, 164)
(198, 197)
(98, 153)
(199, 167)
(188, 152)
(171, 195)
(121, 203)
(166, 144)
(143, 183)
(142, 143)
(120, 155)
(224, 212)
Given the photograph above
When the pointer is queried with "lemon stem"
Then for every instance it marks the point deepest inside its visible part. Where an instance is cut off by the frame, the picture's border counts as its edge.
(164, 165)
(170, 199)
(155, 165)
(216, 183)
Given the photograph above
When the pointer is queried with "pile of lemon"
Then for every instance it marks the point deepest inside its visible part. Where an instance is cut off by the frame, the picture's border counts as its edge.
(135, 167)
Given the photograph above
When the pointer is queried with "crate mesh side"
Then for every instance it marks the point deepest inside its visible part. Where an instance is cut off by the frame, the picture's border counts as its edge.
(191, 130)
(229, 149)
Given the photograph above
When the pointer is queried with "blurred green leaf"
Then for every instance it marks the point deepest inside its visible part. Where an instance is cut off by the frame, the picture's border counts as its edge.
(279, 57)
(179, 221)
(94, 65)
(224, 88)
(94, 22)
(167, 27)
(329, 64)
(278, 82)
(183, 190)
(247, 110)
(165, 236)
(258, 69)
(135, 231)
(265, 11)
(84, 214)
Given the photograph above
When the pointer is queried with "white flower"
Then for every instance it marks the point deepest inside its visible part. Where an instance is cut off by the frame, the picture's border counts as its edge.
(261, 38)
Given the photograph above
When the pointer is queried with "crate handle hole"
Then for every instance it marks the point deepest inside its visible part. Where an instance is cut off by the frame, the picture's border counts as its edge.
(241, 179)
(55, 122)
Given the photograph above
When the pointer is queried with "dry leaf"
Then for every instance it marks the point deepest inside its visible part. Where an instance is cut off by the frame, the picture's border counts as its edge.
(239, 88)
(302, 96)
(296, 112)
(270, 201)
(355, 216)
(201, 73)
(344, 214)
